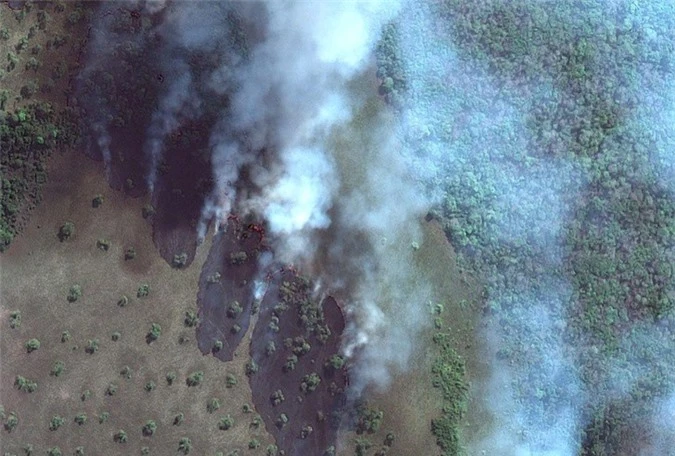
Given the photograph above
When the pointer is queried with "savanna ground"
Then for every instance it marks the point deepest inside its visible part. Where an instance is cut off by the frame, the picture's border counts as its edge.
(38, 271)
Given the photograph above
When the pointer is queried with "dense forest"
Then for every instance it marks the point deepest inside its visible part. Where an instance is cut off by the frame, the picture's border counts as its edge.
(558, 192)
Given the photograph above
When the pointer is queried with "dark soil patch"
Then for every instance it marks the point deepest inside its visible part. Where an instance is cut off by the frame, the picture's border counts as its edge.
(226, 278)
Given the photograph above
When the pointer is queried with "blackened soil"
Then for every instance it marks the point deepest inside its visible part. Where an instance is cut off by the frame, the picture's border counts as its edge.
(300, 319)
(227, 277)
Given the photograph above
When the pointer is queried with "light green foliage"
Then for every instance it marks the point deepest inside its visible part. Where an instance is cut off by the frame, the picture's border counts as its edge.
(184, 445)
(226, 423)
(103, 244)
(66, 231)
(143, 290)
(150, 386)
(57, 368)
(32, 345)
(230, 380)
(195, 378)
(103, 417)
(56, 422)
(154, 333)
(191, 318)
(81, 418)
(120, 436)
(212, 405)
(14, 319)
(310, 382)
(97, 201)
(149, 428)
(92, 346)
(179, 260)
(234, 309)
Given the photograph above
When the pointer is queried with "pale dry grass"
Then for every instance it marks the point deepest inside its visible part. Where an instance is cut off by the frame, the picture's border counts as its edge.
(36, 274)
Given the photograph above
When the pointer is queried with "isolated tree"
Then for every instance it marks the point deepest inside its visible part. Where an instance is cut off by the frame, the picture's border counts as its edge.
(81, 418)
(234, 309)
(170, 377)
(310, 382)
(212, 405)
(226, 423)
(270, 348)
(178, 419)
(120, 436)
(32, 345)
(12, 422)
(184, 445)
(97, 201)
(149, 428)
(57, 368)
(14, 319)
(66, 231)
(179, 260)
(154, 333)
(56, 422)
(195, 378)
(253, 444)
(143, 290)
(336, 362)
(74, 293)
(79, 451)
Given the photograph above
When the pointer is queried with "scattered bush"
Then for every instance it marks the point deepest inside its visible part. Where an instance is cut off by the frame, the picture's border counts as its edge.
(253, 444)
(213, 278)
(56, 422)
(129, 253)
(54, 451)
(111, 389)
(74, 293)
(336, 362)
(120, 436)
(12, 421)
(282, 420)
(217, 346)
(115, 336)
(184, 445)
(57, 368)
(148, 211)
(150, 386)
(230, 381)
(103, 244)
(97, 201)
(126, 372)
(14, 319)
(270, 348)
(66, 231)
(149, 428)
(123, 301)
(103, 417)
(225, 423)
(178, 419)
(191, 318)
(65, 336)
(213, 405)
(143, 290)
(306, 431)
(251, 368)
(24, 384)
(154, 333)
(92, 346)
(195, 379)
(310, 382)
(81, 418)
(234, 309)
(170, 377)
(236, 328)
(238, 258)
(86, 394)
(32, 345)
(277, 397)
(179, 260)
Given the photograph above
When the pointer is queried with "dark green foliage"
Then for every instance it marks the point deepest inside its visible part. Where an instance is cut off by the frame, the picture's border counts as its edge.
(170, 377)
(253, 444)
(11, 422)
(120, 436)
(368, 420)
(178, 419)
(74, 293)
(115, 336)
(335, 362)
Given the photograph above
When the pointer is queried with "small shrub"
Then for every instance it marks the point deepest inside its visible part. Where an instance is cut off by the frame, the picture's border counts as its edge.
(272, 450)
(217, 346)
(74, 293)
(65, 336)
(212, 405)
(126, 372)
(66, 231)
(170, 377)
(143, 290)
(148, 211)
(145, 451)
(277, 397)
(246, 408)
(237, 258)
(251, 368)
(184, 445)
(306, 431)
(56, 422)
(230, 380)
(213, 278)
(115, 336)
(150, 386)
(54, 451)
(111, 389)
(123, 301)
(24, 384)
(149, 428)
(97, 201)
(191, 318)
(226, 423)
(310, 382)
(81, 418)
(234, 309)
(120, 436)
(15, 319)
(103, 244)
(179, 260)
(32, 345)
(178, 419)
(129, 253)
(103, 417)
(253, 444)
(86, 394)
(92, 346)
(282, 420)
(154, 333)
(336, 362)
(57, 368)
(236, 328)
(79, 451)
(195, 379)
(12, 422)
